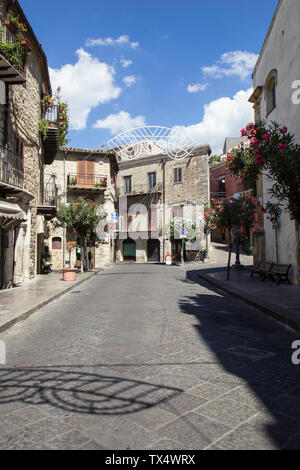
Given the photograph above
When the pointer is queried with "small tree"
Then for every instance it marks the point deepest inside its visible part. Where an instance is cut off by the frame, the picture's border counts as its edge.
(231, 215)
(80, 216)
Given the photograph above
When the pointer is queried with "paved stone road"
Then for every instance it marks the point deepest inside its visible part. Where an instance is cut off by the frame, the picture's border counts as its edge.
(148, 357)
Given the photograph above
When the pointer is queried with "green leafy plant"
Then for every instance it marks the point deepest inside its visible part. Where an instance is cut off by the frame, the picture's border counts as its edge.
(14, 52)
(17, 22)
(47, 101)
(43, 127)
(81, 217)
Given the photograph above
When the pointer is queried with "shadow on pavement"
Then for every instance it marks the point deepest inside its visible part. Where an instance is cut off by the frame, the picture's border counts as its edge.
(76, 389)
(255, 351)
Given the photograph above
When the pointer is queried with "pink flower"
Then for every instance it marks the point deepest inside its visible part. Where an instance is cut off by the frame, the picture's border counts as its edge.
(283, 130)
(266, 137)
(282, 147)
(243, 132)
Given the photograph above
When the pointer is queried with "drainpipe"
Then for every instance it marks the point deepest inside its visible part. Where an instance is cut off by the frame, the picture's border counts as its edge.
(164, 207)
(6, 115)
(65, 200)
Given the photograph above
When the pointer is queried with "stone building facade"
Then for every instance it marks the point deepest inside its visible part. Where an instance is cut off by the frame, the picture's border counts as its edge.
(276, 78)
(153, 190)
(88, 174)
(22, 218)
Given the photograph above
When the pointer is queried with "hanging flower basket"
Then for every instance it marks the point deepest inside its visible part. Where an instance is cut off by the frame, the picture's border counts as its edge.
(26, 45)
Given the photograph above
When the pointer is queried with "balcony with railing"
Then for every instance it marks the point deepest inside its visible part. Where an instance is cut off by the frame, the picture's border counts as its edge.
(139, 189)
(49, 203)
(13, 53)
(49, 128)
(11, 170)
(81, 181)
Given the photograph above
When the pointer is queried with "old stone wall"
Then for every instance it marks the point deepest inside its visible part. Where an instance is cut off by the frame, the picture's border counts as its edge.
(64, 165)
(23, 119)
(192, 193)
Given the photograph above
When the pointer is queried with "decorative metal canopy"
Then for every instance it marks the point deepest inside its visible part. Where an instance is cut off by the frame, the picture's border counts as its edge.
(152, 140)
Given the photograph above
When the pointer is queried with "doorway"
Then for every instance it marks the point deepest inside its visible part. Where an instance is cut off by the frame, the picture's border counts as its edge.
(153, 251)
(129, 250)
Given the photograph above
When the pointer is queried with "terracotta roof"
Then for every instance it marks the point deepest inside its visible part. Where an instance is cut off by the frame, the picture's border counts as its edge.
(80, 150)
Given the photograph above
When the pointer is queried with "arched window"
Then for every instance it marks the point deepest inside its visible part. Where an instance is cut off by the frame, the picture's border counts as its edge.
(270, 91)
(56, 243)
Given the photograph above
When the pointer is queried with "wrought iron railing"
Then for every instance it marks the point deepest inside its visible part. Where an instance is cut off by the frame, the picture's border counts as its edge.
(11, 49)
(11, 168)
(219, 195)
(137, 189)
(50, 195)
(80, 180)
(51, 115)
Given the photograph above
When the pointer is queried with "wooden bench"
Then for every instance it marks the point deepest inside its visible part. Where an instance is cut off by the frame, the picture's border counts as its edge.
(264, 269)
(281, 271)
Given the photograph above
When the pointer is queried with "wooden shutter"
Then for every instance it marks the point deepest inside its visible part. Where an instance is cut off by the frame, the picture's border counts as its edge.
(85, 173)
(80, 173)
(90, 173)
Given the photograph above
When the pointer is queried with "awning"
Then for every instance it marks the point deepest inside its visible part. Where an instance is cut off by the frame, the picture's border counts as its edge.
(10, 214)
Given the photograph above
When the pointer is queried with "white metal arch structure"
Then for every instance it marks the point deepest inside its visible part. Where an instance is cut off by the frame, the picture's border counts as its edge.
(142, 141)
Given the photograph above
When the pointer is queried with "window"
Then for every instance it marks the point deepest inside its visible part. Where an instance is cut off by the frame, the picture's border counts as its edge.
(56, 243)
(177, 212)
(222, 188)
(270, 91)
(152, 180)
(127, 184)
(177, 175)
(19, 153)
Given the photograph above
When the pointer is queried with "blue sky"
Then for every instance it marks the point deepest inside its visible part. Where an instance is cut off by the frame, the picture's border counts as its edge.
(168, 63)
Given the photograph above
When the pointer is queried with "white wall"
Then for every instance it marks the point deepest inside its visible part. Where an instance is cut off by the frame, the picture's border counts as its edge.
(281, 53)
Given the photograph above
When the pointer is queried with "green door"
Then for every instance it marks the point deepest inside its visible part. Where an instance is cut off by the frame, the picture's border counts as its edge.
(129, 250)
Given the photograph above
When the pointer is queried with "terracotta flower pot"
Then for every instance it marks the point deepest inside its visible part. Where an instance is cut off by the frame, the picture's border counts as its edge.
(10, 25)
(69, 274)
(26, 45)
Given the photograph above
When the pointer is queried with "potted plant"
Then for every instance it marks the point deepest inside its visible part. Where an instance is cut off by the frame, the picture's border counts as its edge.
(43, 128)
(12, 27)
(26, 45)
(47, 102)
(69, 274)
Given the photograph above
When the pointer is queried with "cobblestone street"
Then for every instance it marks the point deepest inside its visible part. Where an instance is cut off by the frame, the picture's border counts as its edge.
(149, 357)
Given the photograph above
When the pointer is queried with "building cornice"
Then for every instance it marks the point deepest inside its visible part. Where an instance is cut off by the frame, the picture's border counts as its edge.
(280, 3)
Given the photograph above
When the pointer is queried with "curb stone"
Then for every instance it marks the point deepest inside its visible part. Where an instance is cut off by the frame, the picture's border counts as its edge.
(24, 315)
(267, 311)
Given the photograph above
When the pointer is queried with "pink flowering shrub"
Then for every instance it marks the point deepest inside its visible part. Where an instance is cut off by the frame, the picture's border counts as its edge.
(271, 149)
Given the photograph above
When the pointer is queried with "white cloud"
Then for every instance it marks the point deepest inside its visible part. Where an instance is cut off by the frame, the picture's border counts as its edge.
(126, 63)
(120, 122)
(197, 87)
(85, 85)
(240, 63)
(222, 118)
(129, 80)
(120, 41)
